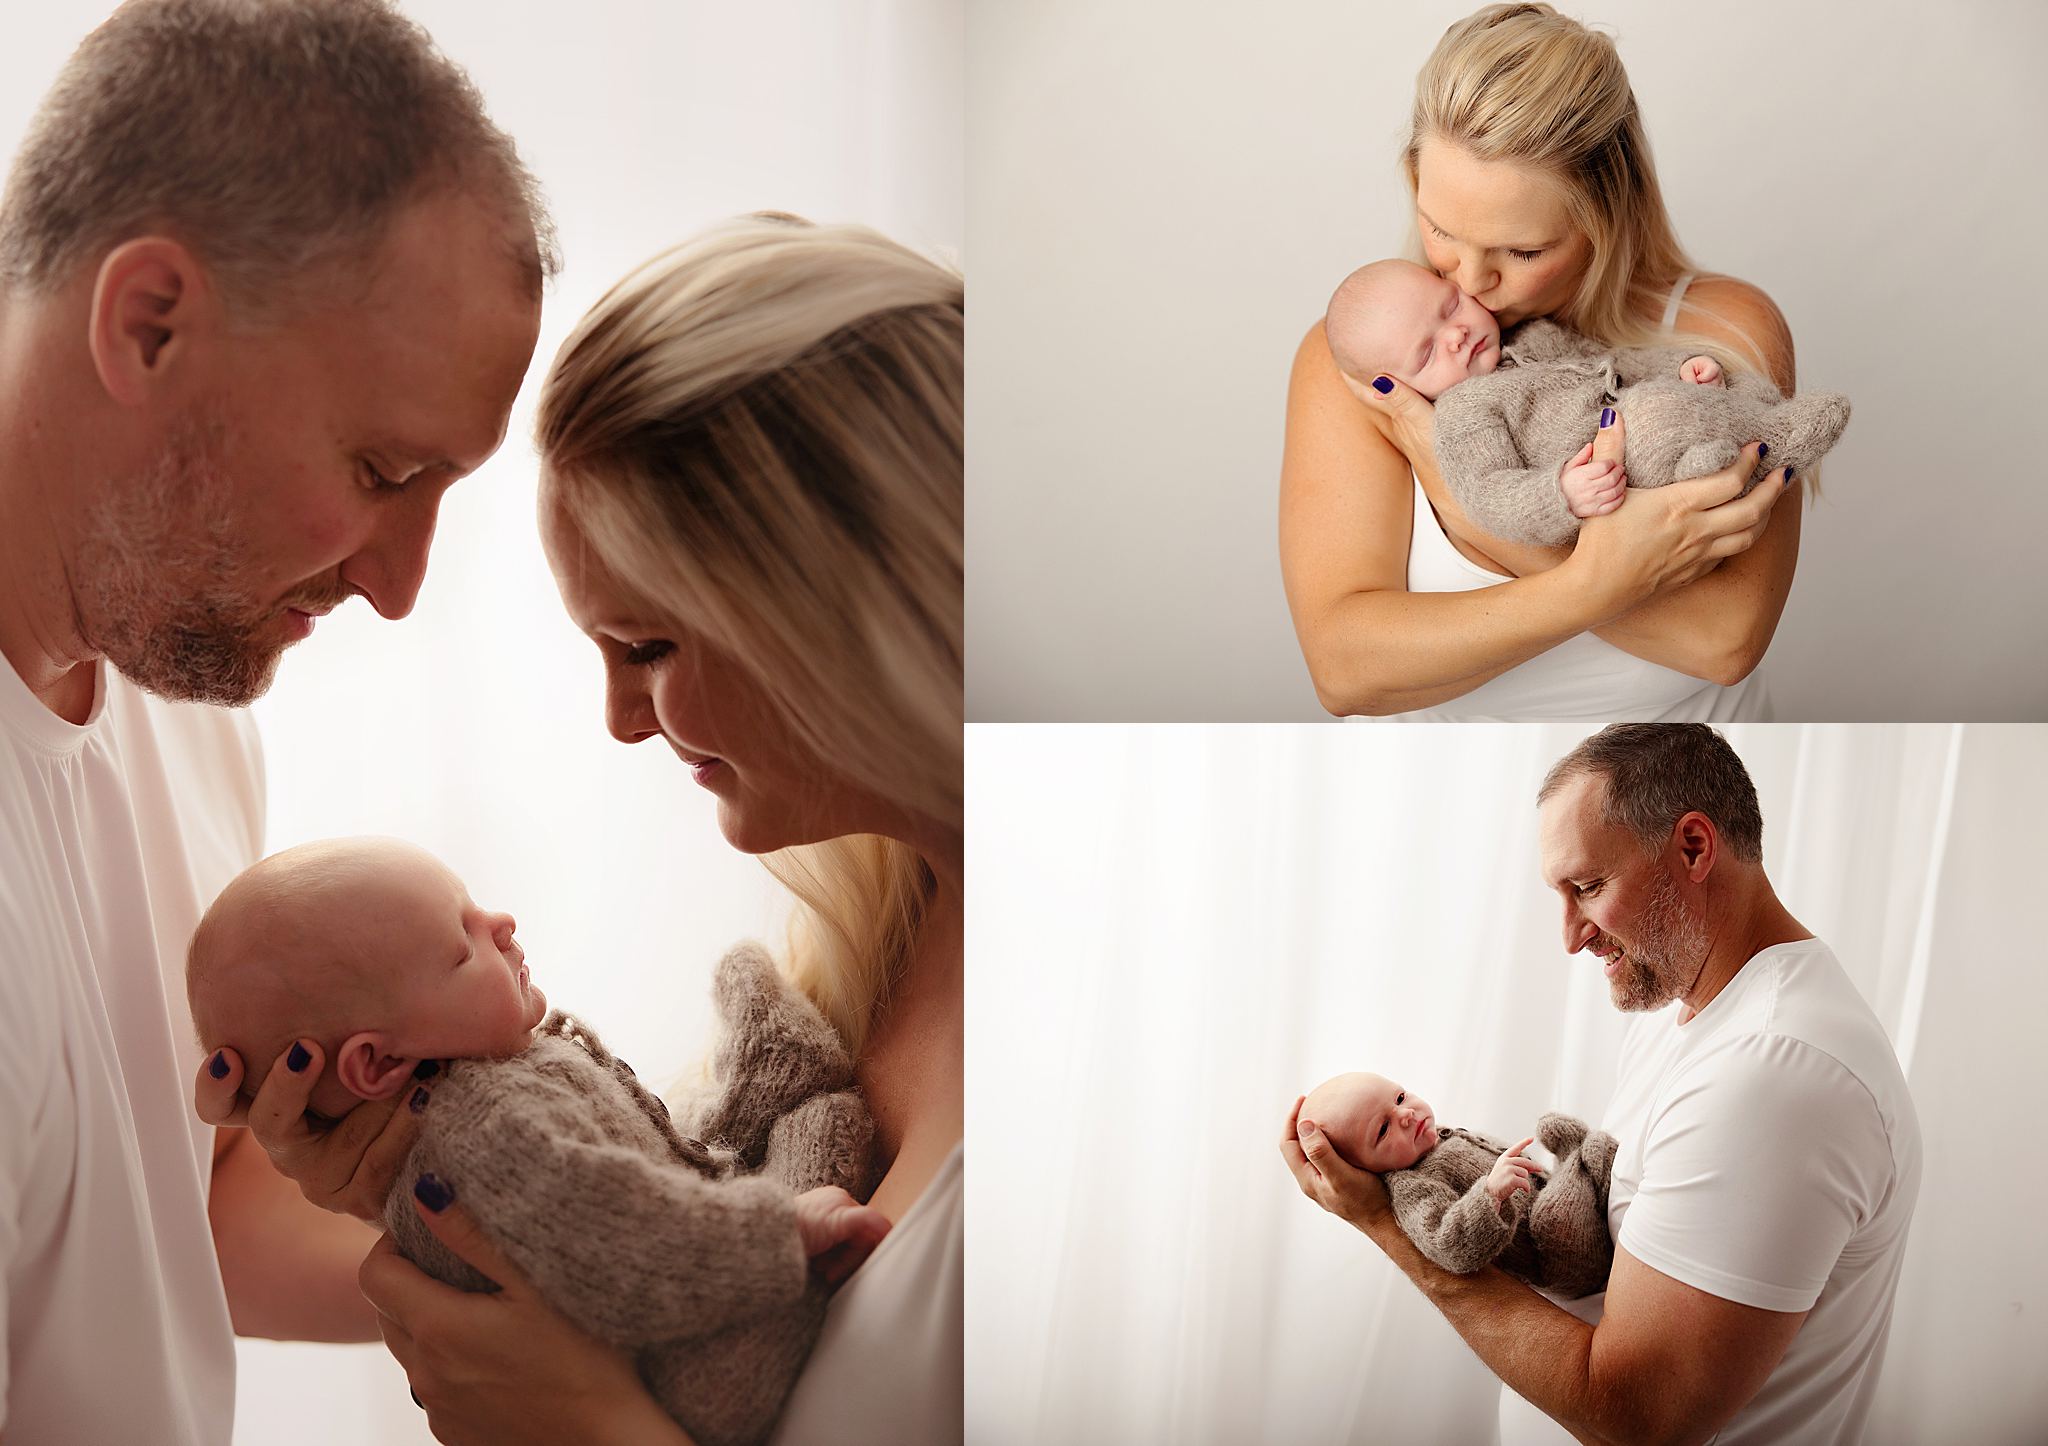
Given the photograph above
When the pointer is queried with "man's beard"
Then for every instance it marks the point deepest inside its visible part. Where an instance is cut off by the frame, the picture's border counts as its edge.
(163, 583)
(1670, 946)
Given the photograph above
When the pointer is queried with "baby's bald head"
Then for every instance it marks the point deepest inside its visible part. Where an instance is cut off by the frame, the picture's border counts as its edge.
(299, 946)
(1397, 319)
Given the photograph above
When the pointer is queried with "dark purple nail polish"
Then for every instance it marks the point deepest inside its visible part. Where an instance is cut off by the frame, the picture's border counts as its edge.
(299, 1058)
(1606, 418)
(218, 1065)
(418, 1101)
(1383, 385)
(1763, 450)
(434, 1193)
(428, 1069)
(1788, 476)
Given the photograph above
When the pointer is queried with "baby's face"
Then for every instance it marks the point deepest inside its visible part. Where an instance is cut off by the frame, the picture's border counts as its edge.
(1413, 325)
(1374, 1123)
(373, 949)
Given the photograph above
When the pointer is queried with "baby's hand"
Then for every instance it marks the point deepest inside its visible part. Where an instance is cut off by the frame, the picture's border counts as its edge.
(1703, 370)
(1511, 1172)
(837, 1230)
(1591, 489)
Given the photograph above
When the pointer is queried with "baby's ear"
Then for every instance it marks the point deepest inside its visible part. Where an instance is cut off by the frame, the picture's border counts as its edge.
(368, 1071)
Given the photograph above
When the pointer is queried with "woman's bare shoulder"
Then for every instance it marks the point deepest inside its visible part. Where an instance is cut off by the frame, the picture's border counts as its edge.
(1731, 310)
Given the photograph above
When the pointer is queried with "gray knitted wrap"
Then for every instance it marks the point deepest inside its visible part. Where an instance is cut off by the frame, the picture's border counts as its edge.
(679, 1245)
(1553, 1235)
(1502, 439)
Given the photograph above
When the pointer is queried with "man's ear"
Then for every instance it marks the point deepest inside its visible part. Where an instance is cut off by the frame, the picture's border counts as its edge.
(367, 1070)
(148, 301)
(1699, 845)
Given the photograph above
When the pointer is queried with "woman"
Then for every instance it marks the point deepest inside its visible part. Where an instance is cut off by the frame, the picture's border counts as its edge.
(1534, 191)
(751, 500)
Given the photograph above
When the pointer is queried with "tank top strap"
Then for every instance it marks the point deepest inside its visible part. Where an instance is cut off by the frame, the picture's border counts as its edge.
(1677, 296)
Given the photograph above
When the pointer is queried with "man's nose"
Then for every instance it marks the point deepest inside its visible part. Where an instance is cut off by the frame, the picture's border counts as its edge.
(392, 565)
(1578, 929)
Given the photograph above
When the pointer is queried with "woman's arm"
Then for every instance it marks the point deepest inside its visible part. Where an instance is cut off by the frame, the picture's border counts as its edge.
(1718, 627)
(1346, 508)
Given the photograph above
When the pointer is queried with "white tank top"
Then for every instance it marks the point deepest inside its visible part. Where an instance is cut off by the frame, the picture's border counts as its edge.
(887, 1367)
(1583, 679)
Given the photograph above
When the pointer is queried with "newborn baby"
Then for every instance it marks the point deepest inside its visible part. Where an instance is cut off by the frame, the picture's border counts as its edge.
(1469, 1201)
(1514, 413)
(689, 1252)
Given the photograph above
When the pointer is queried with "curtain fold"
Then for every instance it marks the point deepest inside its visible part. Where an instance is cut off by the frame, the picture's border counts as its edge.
(1194, 925)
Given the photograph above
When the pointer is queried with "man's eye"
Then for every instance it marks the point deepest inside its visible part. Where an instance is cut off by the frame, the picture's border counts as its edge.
(641, 654)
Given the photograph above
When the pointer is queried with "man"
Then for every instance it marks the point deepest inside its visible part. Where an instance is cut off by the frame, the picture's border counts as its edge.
(1769, 1154)
(269, 279)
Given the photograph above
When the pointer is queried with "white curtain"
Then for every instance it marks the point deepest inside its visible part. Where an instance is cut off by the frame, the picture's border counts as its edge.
(1175, 930)
(475, 727)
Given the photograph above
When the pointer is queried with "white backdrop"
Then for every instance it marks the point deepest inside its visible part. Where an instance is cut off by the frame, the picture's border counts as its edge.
(1163, 196)
(475, 727)
(1175, 930)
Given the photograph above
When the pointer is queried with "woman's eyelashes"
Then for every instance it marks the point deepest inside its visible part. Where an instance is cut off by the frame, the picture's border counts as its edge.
(639, 655)
(1519, 255)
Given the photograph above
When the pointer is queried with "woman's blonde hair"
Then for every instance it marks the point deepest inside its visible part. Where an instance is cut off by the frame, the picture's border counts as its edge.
(760, 434)
(1526, 85)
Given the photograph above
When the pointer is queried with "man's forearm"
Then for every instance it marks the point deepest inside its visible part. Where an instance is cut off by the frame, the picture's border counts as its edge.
(289, 1267)
(1540, 1350)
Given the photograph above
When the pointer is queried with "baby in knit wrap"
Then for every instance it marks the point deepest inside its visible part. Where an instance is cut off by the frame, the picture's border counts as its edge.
(684, 1241)
(1515, 413)
(1468, 1201)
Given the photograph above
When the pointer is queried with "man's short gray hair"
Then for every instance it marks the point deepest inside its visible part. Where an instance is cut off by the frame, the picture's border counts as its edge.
(272, 137)
(1656, 773)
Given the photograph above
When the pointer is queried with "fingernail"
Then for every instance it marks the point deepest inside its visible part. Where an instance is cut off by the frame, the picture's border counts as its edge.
(428, 1069)
(1308, 1127)
(1606, 418)
(418, 1101)
(299, 1058)
(218, 1065)
(1383, 385)
(1763, 450)
(432, 1192)
(1788, 476)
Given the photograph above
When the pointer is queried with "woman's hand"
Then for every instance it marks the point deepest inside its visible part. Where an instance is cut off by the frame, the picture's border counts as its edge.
(1665, 537)
(348, 1169)
(1511, 1172)
(502, 1369)
(1329, 1179)
(1410, 419)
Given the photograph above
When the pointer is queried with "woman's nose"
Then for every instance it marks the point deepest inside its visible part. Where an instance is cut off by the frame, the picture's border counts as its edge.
(628, 710)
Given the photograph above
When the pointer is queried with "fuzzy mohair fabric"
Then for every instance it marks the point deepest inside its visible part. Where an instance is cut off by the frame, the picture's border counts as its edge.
(678, 1244)
(1552, 1235)
(1503, 438)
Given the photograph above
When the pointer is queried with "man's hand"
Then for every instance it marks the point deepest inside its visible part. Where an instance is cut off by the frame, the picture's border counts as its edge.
(838, 1231)
(1329, 1179)
(1511, 1172)
(1701, 370)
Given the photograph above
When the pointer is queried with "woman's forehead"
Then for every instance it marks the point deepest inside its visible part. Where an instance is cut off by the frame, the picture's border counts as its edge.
(1487, 203)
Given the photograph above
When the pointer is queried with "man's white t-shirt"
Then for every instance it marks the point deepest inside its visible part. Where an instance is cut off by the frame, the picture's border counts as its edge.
(1769, 1155)
(114, 836)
